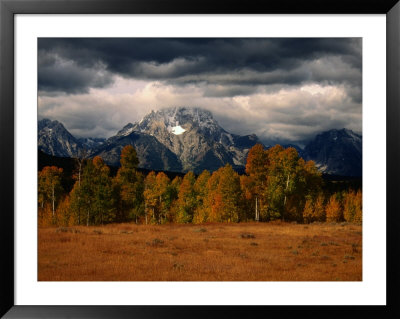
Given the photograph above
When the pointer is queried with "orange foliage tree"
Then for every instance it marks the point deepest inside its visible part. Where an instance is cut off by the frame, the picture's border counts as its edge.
(224, 196)
(249, 209)
(256, 169)
(314, 210)
(333, 210)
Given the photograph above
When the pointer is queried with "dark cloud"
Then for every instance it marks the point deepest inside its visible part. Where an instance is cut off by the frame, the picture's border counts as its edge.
(228, 90)
(57, 74)
(229, 61)
(285, 90)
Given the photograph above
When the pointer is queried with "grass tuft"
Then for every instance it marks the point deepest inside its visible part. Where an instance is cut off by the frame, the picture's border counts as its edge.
(247, 235)
(200, 230)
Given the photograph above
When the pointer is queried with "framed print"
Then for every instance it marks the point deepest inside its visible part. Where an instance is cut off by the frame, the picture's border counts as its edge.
(172, 159)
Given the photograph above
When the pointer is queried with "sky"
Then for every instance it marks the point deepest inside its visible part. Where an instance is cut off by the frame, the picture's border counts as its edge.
(285, 90)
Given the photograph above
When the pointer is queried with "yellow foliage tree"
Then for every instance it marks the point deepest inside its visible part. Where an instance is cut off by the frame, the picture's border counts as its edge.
(352, 207)
(200, 187)
(49, 191)
(150, 196)
(308, 211)
(314, 210)
(333, 210)
(319, 210)
(64, 213)
(161, 190)
(358, 214)
(186, 203)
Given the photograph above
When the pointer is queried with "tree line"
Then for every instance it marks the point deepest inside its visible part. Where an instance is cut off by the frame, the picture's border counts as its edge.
(278, 185)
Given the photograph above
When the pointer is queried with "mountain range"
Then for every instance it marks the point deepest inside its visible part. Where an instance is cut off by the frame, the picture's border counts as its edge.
(180, 139)
(336, 152)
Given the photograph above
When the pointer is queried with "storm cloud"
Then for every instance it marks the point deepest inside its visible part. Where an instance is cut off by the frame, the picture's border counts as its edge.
(283, 89)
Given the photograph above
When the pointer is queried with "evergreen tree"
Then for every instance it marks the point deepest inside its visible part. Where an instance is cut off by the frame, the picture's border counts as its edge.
(129, 183)
(94, 196)
(103, 205)
(289, 181)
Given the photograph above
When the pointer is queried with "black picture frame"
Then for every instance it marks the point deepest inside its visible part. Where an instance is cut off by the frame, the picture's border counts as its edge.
(9, 8)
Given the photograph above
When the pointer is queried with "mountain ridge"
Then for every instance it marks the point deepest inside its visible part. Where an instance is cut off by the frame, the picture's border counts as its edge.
(55, 139)
(337, 152)
(180, 139)
(195, 137)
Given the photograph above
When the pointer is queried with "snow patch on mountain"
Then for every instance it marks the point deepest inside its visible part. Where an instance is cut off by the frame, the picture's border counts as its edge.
(195, 137)
(177, 130)
(126, 130)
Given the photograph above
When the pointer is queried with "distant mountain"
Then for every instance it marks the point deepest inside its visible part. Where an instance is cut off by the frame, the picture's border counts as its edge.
(54, 139)
(151, 153)
(182, 139)
(195, 137)
(90, 143)
(176, 139)
(337, 152)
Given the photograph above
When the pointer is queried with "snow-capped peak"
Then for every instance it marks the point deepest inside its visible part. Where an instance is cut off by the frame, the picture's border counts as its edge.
(178, 116)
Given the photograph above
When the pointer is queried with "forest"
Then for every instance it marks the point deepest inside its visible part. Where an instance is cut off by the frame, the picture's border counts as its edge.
(277, 185)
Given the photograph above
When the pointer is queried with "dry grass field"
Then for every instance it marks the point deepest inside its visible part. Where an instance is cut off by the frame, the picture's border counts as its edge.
(228, 252)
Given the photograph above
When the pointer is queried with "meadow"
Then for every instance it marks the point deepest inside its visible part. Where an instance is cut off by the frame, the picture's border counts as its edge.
(274, 251)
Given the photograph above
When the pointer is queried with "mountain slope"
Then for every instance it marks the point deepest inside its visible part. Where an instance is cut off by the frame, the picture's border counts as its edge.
(151, 153)
(90, 143)
(337, 152)
(54, 139)
(195, 137)
(183, 139)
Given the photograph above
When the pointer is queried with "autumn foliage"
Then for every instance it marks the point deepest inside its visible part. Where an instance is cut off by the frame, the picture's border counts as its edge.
(278, 185)
(334, 212)
(352, 207)
(49, 194)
